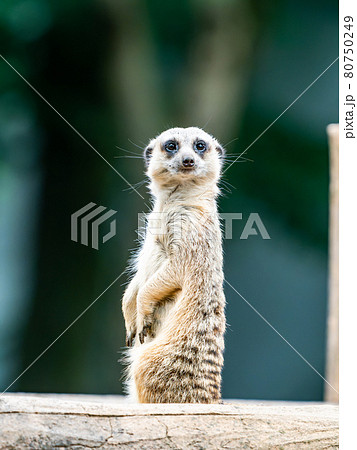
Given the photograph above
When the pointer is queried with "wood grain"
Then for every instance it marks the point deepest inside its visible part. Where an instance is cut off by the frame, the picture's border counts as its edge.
(62, 421)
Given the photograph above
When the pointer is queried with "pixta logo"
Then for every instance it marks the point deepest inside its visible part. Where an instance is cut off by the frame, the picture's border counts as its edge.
(83, 225)
(156, 222)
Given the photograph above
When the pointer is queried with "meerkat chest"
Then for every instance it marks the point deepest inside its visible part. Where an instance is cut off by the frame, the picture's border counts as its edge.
(154, 252)
(164, 227)
(151, 258)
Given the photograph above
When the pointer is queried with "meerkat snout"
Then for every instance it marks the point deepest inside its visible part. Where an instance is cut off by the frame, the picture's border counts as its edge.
(188, 162)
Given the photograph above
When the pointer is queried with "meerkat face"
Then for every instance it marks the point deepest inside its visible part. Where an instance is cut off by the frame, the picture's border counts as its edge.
(180, 154)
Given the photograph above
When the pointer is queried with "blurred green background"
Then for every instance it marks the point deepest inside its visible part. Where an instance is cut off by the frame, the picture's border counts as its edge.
(122, 71)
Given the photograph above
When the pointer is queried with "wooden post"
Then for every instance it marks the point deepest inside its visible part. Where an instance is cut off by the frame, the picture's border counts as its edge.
(332, 369)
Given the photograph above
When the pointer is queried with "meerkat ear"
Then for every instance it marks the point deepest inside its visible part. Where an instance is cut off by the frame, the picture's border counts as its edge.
(147, 154)
(220, 151)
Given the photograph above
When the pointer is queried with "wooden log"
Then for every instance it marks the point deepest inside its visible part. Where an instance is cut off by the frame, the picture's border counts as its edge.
(332, 354)
(49, 421)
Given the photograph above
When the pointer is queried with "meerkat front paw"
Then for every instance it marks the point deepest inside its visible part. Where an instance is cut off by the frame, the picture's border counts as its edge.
(147, 328)
(130, 337)
(129, 312)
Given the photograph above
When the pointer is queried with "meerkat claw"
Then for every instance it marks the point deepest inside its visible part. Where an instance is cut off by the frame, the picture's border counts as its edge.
(145, 332)
(142, 335)
(130, 339)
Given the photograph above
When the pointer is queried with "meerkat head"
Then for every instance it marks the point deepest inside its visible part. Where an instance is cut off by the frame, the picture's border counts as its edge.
(183, 155)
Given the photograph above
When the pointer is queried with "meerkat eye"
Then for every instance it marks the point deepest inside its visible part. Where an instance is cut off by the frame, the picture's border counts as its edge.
(200, 146)
(171, 146)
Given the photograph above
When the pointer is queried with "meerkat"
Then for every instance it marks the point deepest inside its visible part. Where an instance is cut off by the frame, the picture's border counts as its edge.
(174, 305)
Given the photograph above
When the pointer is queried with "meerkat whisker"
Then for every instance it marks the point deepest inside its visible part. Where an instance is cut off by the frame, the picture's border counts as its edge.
(136, 185)
(128, 156)
(136, 145)
(128, 151)
(227, 184)
(239, 159)
(230, 142)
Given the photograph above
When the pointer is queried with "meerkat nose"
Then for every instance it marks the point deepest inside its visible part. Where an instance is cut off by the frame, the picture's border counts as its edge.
(188, 162)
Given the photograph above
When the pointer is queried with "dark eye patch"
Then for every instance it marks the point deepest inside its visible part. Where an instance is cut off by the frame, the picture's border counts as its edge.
(220, 151)
(200, 146)
(171, 147)
(147, 154)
